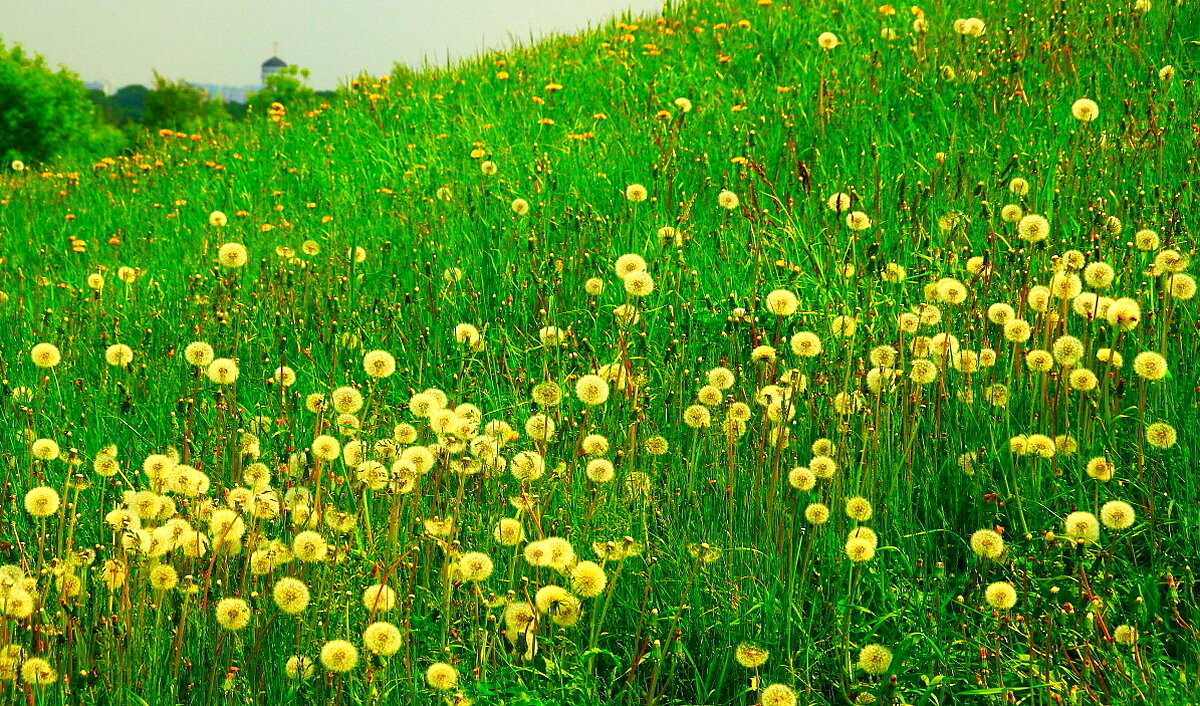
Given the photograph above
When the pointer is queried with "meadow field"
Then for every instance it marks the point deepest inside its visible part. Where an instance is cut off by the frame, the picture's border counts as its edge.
(758, 352)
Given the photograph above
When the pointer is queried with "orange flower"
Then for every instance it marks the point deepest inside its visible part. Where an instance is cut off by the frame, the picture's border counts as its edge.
(545, 121)
(502, 75)
(553, 86)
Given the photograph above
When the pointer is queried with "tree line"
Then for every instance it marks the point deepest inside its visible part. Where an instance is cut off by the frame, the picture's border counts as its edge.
(48, 114)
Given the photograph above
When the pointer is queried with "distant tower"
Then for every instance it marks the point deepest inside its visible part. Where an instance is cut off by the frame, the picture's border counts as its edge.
(273, 65)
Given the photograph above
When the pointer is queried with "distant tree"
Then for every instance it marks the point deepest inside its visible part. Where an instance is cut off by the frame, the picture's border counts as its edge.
(288, 86)
(180, 106)
(129, 103)
(46, 114)
(237, 111)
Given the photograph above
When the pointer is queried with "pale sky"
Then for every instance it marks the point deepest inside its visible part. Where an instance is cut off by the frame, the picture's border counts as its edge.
(225, 41)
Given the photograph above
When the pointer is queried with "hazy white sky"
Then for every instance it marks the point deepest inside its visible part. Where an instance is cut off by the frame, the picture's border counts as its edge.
(225, 41)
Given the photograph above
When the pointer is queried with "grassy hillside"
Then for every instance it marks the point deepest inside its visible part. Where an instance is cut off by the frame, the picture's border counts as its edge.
(697, 359)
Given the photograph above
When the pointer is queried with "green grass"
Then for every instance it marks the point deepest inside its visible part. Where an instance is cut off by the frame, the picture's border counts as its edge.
(925, 132)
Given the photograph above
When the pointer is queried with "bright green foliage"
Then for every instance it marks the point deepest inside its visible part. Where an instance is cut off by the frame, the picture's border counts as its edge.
(180, 106)
(288, 86)
(46, 113)
(862, 514)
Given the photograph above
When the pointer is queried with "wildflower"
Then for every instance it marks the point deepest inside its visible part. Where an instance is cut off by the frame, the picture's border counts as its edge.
(639, 284)
(588, 579)
(802, 478)
(1171, 261)
(291, 595)
(44, 449)
(348, 400)
(475, 566)
(1124, 314)
(628, 264)
(441, 676)
(595, 445)
(379, 598)
(232, 255)
(45, 355)
(1085, 110)
(600, 470)
(38, 672)
(1011, 213)
(1161, 435)
(1181, 286)
(223, 371)
(1001, 595)
(1017, 331)
(858, 221)
(379, 364)
(951, 291)
(467, 334)
(1100, 468)
(750, 656)
(827, 40)
(858, 509)
(635, 193)
(859, 549)
(777, 695)
(298, 667)
(339, 656)
(816, 513)
(326, 447)
(987, 544)
(1117, 515)
(923, 371)
(822, 466)
(42, 501)
(118, 355)
(656, 446)
(1125, 634)
(1145, 239)
(782, 302)
(198, 353)
(382, 638)
(839, 203)
(874, 659)
(806, 344)
(1099, 274)
(1082, 526)
(310, 546)
(1082, 380)
(1033, 228)
(233, 613)
(217, 219)
(1150, 365)
(727, 200)
(843, 326)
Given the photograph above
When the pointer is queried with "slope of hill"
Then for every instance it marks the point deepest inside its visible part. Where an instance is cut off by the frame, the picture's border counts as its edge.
(839, 348)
